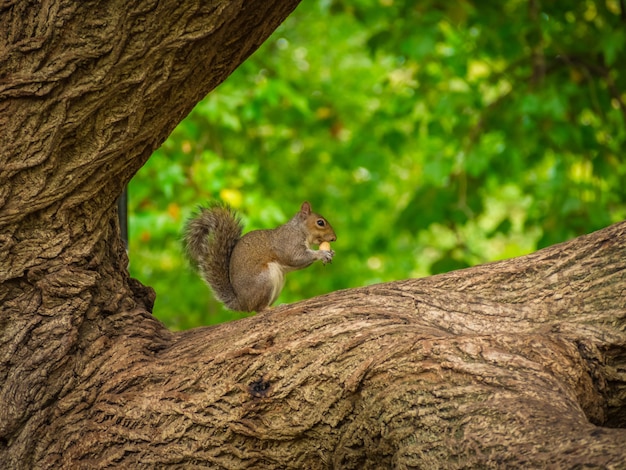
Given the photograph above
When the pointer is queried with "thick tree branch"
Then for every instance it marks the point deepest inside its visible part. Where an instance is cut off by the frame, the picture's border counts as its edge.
(90, 90)
(489, 366)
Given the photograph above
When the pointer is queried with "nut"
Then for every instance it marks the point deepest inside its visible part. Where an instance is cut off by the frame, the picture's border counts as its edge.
(325, 246)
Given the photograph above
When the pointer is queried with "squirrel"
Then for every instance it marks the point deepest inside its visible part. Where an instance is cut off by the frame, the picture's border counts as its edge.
(247, 273)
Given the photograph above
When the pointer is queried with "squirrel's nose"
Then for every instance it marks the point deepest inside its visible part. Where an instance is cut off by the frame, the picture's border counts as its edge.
(333, 239)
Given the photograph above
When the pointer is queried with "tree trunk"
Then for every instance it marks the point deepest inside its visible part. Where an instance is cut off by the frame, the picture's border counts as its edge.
(520, 363)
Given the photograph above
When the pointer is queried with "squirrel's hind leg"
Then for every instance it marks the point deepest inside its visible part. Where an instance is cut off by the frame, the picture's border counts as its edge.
(258, 292)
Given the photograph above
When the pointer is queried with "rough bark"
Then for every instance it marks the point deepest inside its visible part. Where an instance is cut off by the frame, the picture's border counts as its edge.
(520, 363)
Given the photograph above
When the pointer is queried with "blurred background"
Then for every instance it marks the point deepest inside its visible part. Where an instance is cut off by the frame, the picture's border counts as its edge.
(433, 136)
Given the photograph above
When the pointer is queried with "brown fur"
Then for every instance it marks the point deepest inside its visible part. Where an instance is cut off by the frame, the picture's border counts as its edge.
(247, 273)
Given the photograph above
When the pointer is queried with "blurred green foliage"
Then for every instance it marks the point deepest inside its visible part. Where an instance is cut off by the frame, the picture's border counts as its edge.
(433, 135)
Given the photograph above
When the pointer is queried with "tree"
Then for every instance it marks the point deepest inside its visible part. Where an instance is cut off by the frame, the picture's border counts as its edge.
(514, 363)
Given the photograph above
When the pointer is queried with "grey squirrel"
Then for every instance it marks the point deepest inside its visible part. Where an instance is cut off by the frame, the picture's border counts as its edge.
(247, 273)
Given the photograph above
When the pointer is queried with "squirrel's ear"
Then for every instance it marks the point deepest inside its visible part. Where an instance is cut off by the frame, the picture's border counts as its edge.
(305, 208)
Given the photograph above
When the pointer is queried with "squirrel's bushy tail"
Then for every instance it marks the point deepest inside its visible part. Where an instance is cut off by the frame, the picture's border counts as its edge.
(210, 237)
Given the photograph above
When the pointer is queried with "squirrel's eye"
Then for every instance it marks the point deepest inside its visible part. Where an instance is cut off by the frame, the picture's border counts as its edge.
(320, 222)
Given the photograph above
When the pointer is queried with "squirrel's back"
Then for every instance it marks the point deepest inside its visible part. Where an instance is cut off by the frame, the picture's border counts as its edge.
(210, 237)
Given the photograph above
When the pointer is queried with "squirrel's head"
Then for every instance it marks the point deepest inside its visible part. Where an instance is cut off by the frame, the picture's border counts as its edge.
(318, 228)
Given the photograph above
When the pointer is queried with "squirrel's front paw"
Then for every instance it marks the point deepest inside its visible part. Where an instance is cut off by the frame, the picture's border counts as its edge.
(327, 256)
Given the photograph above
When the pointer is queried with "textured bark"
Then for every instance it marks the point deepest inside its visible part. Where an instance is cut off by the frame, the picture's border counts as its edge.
(88, 90)
(518, 364)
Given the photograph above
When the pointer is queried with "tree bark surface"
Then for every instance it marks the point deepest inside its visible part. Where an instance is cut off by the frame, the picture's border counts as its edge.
(515, 364)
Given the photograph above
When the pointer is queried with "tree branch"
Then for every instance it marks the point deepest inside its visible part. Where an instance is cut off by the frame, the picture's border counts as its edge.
(93, 91)
(511, 363)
